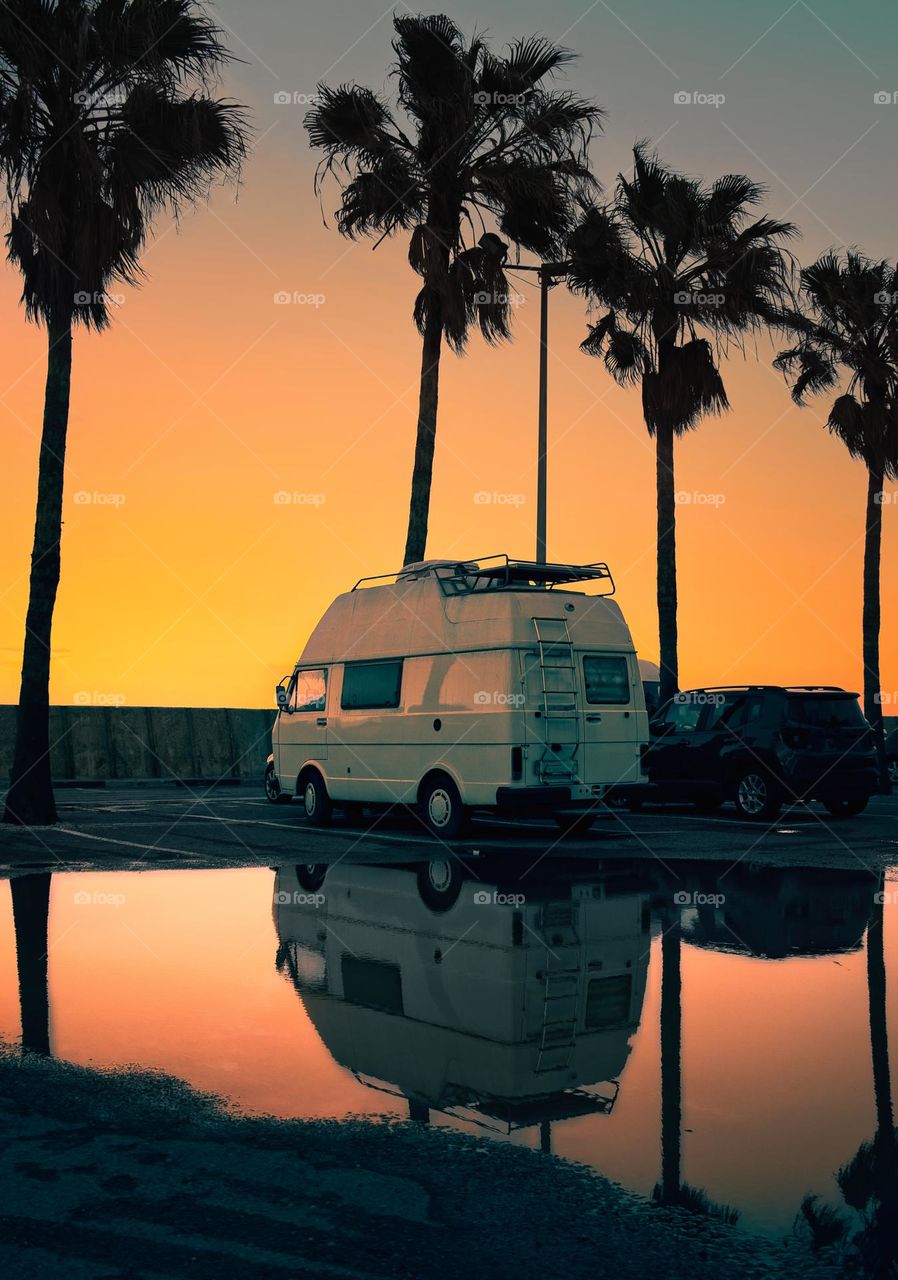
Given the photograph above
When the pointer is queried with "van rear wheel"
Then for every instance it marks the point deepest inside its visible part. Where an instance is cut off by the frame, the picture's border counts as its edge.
(316, 801)
(441, 808)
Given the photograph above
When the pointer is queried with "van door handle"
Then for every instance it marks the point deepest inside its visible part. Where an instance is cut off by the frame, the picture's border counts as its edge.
(594, 716)
(321, 720)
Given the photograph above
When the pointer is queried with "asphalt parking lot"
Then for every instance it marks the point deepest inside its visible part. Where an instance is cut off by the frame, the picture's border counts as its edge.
(168, 826)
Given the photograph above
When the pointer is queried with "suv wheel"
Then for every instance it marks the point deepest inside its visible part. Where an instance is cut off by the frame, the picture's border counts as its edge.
(756, 796)
(845, 806)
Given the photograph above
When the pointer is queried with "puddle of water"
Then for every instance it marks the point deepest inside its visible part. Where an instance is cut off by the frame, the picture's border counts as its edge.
(529, 1008)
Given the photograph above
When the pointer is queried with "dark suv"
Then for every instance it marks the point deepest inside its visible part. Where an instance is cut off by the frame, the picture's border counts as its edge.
(763, 746)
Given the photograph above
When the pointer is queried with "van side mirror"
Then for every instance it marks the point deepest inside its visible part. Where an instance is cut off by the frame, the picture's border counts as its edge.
(282, 695)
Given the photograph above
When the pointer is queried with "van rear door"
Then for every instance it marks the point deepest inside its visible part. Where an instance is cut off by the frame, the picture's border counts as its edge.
(610, 719)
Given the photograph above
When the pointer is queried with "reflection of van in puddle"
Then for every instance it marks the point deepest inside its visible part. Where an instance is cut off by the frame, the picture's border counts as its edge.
(491, 684)
(465, 996)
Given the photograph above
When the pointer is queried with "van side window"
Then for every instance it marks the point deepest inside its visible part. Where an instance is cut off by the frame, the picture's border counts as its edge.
(607, 680)
(371, 686)
(309, 691)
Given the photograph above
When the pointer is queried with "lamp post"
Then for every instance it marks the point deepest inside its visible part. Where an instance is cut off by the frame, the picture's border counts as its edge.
(548, 273)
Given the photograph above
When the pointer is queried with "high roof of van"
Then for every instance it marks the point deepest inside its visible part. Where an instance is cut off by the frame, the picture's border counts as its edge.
(421, 613)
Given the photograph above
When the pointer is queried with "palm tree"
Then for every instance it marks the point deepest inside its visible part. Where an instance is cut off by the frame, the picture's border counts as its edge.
(672, 263)
(846, 324)
(473, 141)
(103, 123)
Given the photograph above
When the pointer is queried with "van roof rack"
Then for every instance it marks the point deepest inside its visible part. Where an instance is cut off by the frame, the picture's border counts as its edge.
(497, 572)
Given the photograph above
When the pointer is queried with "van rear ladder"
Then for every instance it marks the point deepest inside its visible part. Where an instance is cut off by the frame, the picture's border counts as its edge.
(561, 986)
(560, 713)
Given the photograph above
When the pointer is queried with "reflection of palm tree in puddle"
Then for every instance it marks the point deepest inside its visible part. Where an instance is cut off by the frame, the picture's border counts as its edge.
(671, 1190)
(31, 911)
(869, 1180)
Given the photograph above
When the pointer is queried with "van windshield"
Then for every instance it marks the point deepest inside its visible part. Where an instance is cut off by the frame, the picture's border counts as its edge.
(824, 713)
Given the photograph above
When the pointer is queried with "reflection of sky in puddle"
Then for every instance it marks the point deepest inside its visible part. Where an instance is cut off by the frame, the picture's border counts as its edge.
(188, 972)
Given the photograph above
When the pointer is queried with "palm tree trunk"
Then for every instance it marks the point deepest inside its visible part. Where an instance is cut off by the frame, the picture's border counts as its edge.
(422, 476)
(31, 913)
(871, 619)
(30, 798)
(667, 561)
(671, 1083)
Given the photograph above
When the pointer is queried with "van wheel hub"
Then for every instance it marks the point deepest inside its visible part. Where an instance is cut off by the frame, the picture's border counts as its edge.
(439, 807)
(311, 798)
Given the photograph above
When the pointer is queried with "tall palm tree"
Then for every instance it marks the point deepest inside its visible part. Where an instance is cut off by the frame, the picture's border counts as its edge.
(103, 123)
(474, 141)
(681, 271)
(846, 324)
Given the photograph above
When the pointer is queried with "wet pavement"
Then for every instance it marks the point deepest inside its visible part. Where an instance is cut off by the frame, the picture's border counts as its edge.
(236, 826)
(689, 1012)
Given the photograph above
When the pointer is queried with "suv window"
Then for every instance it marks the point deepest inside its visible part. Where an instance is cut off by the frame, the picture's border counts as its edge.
(683, 716)
(309, 692)
(823, 713)
(607, 680)
(371, 686)
(728, 713)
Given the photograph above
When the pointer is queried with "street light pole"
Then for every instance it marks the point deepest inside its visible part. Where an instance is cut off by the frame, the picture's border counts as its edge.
(548, 273)
(542, 432)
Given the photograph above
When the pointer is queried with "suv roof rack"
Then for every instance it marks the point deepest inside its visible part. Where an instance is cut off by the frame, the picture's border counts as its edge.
(785, 688)
(496, 572)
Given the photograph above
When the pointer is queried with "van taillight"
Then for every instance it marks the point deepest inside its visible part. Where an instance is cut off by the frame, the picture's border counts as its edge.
(517, 763)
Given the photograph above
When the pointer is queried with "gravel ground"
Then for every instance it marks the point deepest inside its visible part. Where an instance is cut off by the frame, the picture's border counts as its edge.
(135, 1175)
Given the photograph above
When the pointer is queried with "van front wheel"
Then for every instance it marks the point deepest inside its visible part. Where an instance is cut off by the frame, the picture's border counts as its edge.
(316, 801)
(441, 807)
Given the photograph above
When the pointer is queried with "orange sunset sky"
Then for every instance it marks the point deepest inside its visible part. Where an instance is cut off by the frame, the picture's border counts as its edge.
(207, 399)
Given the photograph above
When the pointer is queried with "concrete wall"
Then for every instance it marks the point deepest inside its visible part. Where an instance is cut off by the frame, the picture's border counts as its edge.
(165, 743)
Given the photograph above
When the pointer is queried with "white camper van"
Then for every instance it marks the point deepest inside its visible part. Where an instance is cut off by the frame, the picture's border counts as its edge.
(498, 684)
